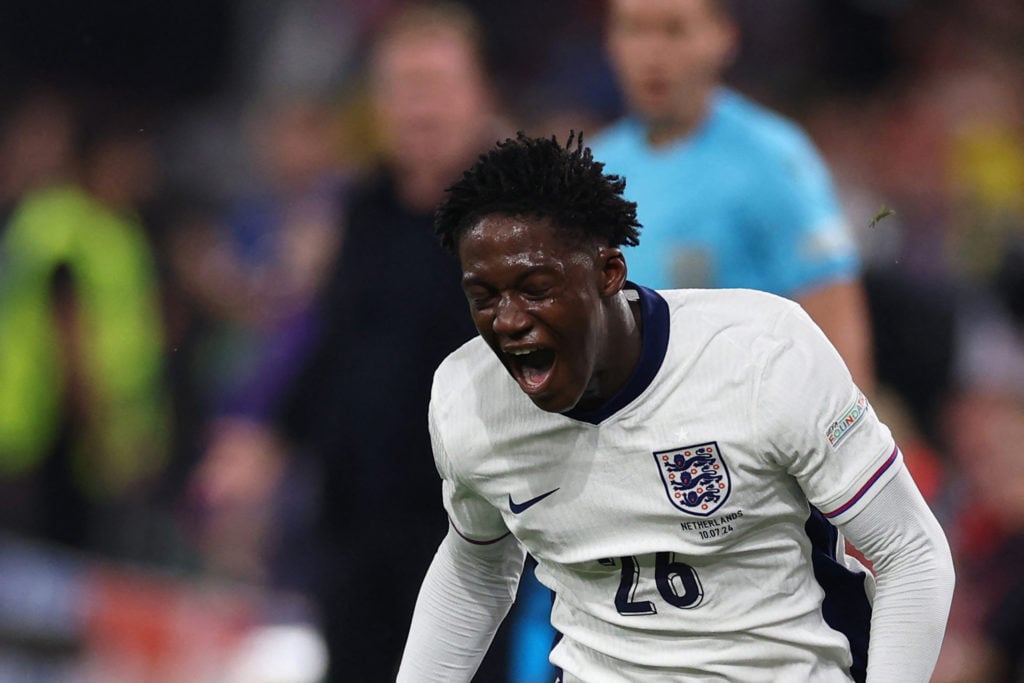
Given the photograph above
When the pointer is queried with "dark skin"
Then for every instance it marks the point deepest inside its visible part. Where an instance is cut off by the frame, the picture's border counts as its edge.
(552, 309)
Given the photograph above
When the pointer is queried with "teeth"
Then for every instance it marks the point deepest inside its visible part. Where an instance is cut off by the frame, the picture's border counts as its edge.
(520, 352)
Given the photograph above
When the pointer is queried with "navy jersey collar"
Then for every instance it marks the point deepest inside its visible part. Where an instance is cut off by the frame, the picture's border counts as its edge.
(654, 345)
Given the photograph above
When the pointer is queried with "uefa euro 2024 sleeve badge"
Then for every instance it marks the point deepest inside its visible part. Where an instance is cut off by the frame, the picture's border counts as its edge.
(696, 478)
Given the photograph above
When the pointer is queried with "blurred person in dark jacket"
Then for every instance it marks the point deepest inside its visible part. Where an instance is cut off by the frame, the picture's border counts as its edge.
(393, 310)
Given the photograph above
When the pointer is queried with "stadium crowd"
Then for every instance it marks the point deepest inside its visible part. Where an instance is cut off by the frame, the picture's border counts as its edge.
(219, 314)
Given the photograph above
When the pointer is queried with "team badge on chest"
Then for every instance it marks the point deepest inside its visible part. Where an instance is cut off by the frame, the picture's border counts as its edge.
(695, 477)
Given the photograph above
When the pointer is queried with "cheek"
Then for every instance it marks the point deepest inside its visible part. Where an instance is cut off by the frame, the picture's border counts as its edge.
(710, 54)
(482, 321)
(684, 59)
(628, 54)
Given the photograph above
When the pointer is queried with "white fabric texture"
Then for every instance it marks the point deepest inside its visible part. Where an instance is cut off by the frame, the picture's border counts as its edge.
(914, 580)
(465, 595)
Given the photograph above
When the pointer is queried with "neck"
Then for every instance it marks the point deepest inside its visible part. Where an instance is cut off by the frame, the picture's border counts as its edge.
(664, 132)
(634, 334)
(624, 344)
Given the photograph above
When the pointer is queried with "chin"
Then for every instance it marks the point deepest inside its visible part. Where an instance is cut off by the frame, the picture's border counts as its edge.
(653, 107)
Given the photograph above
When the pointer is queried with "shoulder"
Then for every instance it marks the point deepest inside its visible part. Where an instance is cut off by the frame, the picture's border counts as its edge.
(462, 367)
(729, 331)
(67, 220)
(475, 406)
(746, 310)
(622, 138)
(55, 201)
(758, 129)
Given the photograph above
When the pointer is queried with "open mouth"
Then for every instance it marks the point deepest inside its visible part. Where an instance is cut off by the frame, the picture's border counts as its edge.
(532, 368)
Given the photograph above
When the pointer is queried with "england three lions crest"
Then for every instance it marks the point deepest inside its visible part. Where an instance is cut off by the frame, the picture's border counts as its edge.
(695, 477)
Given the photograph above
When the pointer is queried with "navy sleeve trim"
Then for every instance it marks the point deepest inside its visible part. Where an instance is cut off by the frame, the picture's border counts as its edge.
(475, 541)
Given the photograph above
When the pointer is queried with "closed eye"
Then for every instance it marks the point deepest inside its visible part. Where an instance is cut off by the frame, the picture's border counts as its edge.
(537, 294)
(480, 298)
(481, 304)
(537, 287)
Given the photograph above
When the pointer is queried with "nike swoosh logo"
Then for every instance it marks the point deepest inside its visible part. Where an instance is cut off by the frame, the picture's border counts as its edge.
(516, 508)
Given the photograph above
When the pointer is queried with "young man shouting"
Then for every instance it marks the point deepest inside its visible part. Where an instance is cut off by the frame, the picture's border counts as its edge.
(680, 462)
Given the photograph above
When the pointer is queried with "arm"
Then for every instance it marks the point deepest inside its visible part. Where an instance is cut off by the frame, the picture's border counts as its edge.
(914, 580)
(466, 593)
(829, 438)
(840, 310)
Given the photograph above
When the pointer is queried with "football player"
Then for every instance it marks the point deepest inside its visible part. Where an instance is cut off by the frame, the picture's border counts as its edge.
(683, 464)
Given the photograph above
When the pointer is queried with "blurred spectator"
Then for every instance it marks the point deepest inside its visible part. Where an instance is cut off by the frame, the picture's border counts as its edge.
(357, 443)
(233, 498)
(393, 310)
(85, 426)
(254, 272)
(985, 160)
(35, 146)
(984, 503)
(253, 276)
(1001, 656)
(941, 144)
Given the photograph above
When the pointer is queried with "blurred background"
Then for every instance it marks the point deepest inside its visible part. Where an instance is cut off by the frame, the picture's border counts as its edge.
(178, 279)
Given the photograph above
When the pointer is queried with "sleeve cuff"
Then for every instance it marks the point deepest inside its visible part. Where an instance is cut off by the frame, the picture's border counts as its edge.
(874, 483)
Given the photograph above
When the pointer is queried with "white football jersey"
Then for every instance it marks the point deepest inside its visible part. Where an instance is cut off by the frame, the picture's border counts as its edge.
(683, 527)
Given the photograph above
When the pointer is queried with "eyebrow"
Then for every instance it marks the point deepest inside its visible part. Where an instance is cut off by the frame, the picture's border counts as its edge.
(470, 279)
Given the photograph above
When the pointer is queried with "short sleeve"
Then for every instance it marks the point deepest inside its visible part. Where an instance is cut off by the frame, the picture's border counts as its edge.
(472, 517)
(819, 426)
(803, 231)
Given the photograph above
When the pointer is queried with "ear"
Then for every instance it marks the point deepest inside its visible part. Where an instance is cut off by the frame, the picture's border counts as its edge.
(612, 267)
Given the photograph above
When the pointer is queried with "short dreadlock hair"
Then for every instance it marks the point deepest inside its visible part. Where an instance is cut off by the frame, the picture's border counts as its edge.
(539, 178)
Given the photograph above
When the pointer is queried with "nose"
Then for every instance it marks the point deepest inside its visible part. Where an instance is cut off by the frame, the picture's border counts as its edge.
(510, 319)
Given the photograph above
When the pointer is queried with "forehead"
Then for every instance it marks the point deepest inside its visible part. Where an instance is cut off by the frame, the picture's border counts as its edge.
(424, 49)
(499, 241)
